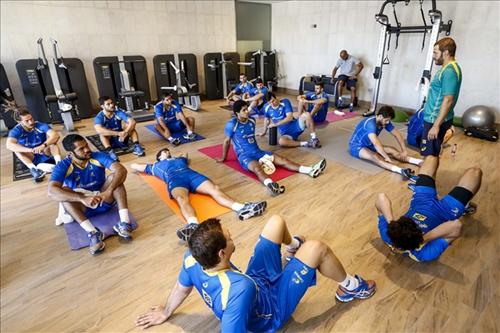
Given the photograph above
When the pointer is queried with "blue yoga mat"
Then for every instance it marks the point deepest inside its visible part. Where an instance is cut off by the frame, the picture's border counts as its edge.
(77, 236)
(175, 135)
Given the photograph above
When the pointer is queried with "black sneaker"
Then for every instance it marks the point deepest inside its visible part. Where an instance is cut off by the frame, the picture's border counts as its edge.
(275, 188)
(407, 173)
(186, 231)
(470, 208)
(37, 174)
(251, 209)
(175, 141)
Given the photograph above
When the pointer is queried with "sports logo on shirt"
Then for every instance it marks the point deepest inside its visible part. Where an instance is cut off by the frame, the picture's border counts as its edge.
(297, 279)
(304, 270)
(419, 217)
(206, 297)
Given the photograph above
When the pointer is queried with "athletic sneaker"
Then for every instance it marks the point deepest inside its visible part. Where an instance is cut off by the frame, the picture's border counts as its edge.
(275, 188)
(138, 150)
(407, 173)
(175, 141)
(251, 209)
(291, 252)
(340, 102)
(112, 154)
(351, 107)
(365, 289)
(96, 244)
(186, 231)
(314, 143)
(37, 174)
(317, 168)
(123, 230)
(188, 136)
(411, 186)
(413, 179)
(470, 208)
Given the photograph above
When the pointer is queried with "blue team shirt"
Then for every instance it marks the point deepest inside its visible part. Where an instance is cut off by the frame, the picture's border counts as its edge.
(427, 252)
(242, 134)
(233, 297)
(30, 139)
(415, 128)
(115, 122)
(280, 113)
(244, 88)
(92, 177)
(256, 91)
(169, 115)
(321, 114)
(168, 169)
(364, 128)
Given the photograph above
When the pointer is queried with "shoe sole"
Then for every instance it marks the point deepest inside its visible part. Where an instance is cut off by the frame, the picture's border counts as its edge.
(99, 250)
(257, 211)
(127, 238)
(355, 297)
(320, 169)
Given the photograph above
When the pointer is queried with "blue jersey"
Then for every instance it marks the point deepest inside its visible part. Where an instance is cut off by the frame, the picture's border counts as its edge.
(256, 91)
(243, 88)
(168, 169)
(415, 128)
(426, 252)
(115, 122)
(92, 177)
(280, 113)
(321, 114)
(169, 115)
(233, 297)
(30, 139)
(242, 134)
(363, 129)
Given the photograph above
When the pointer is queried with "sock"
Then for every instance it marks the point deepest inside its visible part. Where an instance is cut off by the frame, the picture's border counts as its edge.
(87, 226)
(304, 169)
(303, 143)
(350, 283)
(170, 139)
(415, 161)
(267, 181)
(31, 166)
(57, 158)
(124, 217)
(294, 244)
(190, 132)
(313, 135)
(396, 169)
(237, 206)
(193, 219)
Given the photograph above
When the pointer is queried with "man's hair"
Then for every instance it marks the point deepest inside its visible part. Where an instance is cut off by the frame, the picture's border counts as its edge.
(158, 154)
(165, 95)
(405, 234)
(447, 44)
(259, 80)
(270, 95)
(319, 83)
(103, 99)
(386, 111)
(243, 74)
(18, 113)
(206, 242)
(69, 141)
(238, 105)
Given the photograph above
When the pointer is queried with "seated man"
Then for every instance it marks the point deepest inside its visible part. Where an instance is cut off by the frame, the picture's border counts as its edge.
(257, 98)
(181, 180)
(244, 87)
(279, 113)
(265, 297)
(241, 130)
(35, 144)
(364, 143)
(317, 103)
(108, 124)
(79, 182)
(171, 119)
(348, 68)
(416, 128)
(429, 226)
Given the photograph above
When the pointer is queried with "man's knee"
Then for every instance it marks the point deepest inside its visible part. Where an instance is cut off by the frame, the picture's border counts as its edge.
(315, 246)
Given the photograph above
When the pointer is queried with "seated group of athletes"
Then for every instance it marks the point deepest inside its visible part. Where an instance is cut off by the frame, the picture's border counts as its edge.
(265, 297)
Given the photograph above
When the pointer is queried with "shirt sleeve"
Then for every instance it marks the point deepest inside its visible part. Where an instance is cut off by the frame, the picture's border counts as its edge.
(158, 111)
(310, 95)
(449, 82)
(149, 169)
(339, 63)
(383, 226)
(99, 119)
(15, 132)
(228, 130)
(265, 91)
(59, 172)
(238, 89)
(43, 127)
(389, 127)
(431, 250)
(288, 106)
(104, 159)
(239, 307)
(184, 278)
(122, 115)
(178, 107)
(355, 60)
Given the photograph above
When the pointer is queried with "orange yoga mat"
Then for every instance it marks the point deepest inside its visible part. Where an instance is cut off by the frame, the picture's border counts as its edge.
(204, 206)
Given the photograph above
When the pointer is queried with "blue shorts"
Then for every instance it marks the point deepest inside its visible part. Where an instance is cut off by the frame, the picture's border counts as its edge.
(349, 83)
(414, 140)
(104, 207)
(446, 209)
(355, 149)
(286, 286)
(175, 126)
(187, 179)
(433, 147)
(247, 157)
(293, 130)
(320, 116)
(116, 143)
(42, 158)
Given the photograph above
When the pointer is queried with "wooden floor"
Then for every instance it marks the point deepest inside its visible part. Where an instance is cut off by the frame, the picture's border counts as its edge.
(46, 287)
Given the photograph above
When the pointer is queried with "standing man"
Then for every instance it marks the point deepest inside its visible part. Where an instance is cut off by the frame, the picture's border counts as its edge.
(442, 98)
(170, 118)
(348, 68)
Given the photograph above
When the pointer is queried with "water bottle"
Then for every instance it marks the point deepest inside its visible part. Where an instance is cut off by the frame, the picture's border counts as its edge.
(273, 136)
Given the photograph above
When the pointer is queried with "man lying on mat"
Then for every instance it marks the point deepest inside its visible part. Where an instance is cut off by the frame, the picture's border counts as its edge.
(79, 182)
(171, 119)
(241, 130)
(265, 297)
(181, 180)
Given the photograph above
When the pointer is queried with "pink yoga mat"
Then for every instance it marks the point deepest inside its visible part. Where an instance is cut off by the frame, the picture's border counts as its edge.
(332, 117)
(232, 162)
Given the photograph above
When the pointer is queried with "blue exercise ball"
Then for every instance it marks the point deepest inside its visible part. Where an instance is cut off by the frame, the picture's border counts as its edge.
(479, 116)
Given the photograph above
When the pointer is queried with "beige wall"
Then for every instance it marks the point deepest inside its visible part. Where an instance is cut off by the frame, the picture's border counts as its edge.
(351, 25)
(87, 29)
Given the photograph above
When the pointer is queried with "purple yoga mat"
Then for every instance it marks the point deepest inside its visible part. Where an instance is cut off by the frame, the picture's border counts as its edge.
(77, 236)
